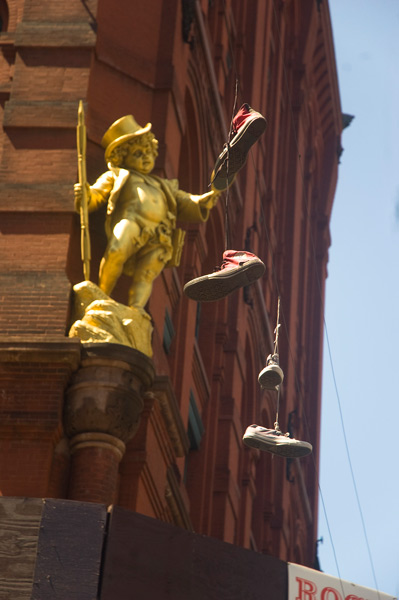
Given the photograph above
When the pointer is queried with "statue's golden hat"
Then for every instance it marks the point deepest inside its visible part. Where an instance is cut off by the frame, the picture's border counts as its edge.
(120, 131)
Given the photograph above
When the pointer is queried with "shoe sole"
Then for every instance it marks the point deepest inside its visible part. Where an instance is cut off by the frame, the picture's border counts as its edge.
(233, 158)
(223, 183)
(270, 380)
(209, 288)
(280, 448)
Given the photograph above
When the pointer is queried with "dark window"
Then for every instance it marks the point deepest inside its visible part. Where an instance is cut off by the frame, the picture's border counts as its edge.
(195, 429)
(3, 16)
(168, 332)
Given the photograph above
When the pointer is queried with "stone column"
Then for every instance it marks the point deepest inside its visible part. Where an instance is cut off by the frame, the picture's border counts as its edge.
(103, 407)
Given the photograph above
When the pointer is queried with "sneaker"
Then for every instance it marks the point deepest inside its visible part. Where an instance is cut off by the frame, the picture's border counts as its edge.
(248, 125)
(218, 184)
(272, 375)
(238, 270)
(276, 442)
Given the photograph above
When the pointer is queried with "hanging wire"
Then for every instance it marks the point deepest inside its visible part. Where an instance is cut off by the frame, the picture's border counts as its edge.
(324, 320)
(274, 276)
(275, 351)
(297, 385)
(276, 331)
(226, 210)
(276, 423)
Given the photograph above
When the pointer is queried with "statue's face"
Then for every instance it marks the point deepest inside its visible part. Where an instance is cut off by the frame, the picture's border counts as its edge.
(140, 158)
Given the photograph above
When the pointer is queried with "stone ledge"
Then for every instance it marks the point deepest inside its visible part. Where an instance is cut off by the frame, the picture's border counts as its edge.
(40, 349)
(36, 197)
(55, 34)
(137, 361)
(7, 38)
(40, 114)
(5, 88)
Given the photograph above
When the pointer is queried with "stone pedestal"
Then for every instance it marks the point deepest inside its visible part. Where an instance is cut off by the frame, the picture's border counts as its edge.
(103, 407)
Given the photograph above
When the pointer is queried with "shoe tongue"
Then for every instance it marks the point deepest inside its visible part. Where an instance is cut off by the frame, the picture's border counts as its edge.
(241, 115)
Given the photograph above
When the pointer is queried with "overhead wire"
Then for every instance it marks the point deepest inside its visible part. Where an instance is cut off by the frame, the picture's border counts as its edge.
(306, 204)
(226, 215)
(275, 280)
(274, 276)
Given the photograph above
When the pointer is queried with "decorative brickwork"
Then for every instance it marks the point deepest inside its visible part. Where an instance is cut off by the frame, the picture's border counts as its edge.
(103, 407)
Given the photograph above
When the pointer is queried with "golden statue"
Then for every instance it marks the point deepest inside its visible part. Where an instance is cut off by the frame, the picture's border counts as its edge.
(142, 210)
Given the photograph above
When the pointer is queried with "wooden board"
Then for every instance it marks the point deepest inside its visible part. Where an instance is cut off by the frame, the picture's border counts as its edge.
(69, 550)
(19, 532)
(146, 559)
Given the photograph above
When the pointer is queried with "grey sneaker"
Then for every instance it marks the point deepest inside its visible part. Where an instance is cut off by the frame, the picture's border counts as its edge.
(272, 375)
(275, 442)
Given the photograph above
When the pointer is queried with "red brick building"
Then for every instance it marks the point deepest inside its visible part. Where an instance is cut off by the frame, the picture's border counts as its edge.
(177, 455)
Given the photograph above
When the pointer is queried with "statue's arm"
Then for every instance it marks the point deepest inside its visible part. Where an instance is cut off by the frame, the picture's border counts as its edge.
(191, 207)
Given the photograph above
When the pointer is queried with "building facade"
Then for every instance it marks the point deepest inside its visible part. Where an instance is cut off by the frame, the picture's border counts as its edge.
(184, 66)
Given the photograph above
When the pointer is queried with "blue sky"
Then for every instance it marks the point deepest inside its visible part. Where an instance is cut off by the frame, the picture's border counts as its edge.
(361, 371)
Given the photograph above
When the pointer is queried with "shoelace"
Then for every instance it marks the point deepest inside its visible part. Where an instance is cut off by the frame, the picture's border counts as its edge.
(225, 146)
(225, 263)
(278, 430)
(222, 266)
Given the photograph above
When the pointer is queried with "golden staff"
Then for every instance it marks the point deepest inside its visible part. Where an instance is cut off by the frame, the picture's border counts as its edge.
(84, 214)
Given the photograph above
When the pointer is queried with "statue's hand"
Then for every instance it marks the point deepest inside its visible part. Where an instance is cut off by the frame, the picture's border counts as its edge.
(77, 190)
(209, 199)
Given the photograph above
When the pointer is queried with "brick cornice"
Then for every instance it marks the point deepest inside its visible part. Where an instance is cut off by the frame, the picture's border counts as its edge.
(36, 197)
(40, 349)
(55, 34)
(47, 114)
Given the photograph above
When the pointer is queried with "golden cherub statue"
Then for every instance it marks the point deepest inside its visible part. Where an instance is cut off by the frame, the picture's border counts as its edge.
(141, 210)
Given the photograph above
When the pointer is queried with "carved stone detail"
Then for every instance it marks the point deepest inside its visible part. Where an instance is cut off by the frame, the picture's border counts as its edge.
(106, 393)
(163, 391)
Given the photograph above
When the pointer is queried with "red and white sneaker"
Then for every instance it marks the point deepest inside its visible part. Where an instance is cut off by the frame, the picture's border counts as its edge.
(276, 442)
(238, 269)
(248, 125)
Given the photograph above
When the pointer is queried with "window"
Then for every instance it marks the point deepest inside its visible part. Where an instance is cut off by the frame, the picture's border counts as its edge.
(168, 332)
(195, 429)
(3, 16)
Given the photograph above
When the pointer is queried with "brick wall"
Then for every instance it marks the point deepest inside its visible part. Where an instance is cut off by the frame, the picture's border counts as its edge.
(33, 374)
(134, 60)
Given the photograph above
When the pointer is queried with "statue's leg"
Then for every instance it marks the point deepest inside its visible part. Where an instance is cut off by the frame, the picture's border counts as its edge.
(148, 267)
(121, 246)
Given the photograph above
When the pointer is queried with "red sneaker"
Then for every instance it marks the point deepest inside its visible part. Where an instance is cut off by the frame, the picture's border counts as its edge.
(238, 269)
(248, 126)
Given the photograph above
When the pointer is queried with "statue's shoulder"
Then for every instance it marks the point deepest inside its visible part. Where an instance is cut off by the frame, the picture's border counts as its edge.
(171, 184)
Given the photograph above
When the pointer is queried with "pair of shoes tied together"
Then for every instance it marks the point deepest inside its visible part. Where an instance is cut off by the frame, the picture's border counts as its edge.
(273, 440)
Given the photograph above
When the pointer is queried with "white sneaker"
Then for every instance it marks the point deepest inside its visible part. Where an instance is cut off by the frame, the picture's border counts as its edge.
(271, 376)
(275, 442)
